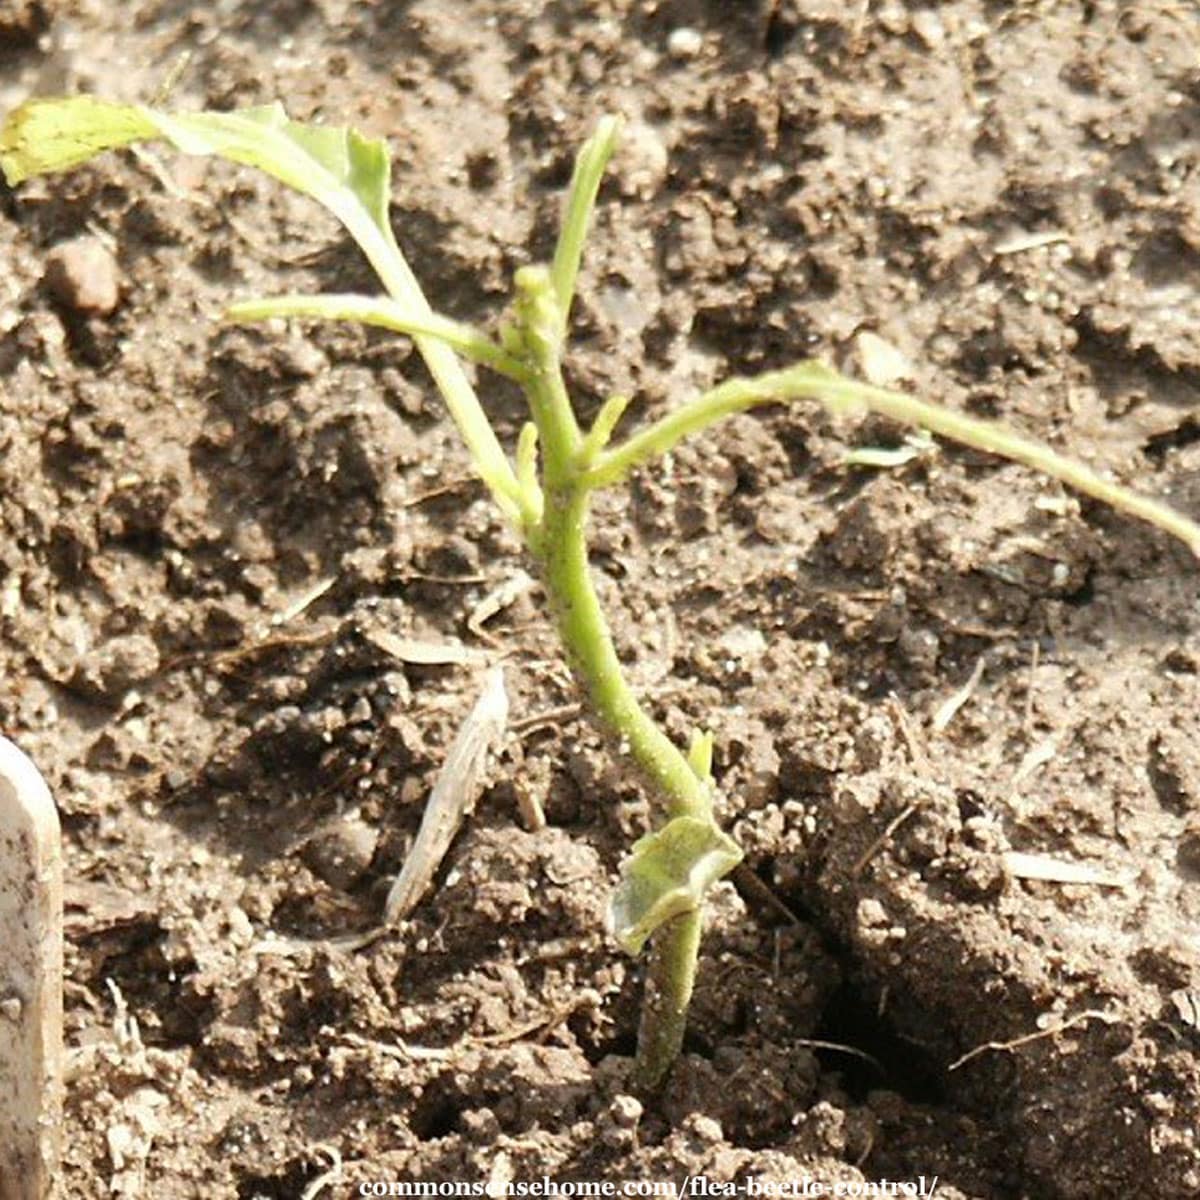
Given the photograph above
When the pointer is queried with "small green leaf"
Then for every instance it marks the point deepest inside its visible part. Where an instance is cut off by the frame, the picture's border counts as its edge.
(533, 503)
(602, 428)
(667, 874)
(331, 165)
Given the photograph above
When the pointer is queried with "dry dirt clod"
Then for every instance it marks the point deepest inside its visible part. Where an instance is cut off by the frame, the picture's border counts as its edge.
(117, 665)
(31, 964)
(82, 275)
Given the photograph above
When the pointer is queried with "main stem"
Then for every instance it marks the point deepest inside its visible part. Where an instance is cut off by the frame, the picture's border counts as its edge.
(559, 543)
(593, 658)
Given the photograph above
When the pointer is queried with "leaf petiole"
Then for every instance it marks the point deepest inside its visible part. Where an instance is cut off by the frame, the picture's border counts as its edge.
(470, 342)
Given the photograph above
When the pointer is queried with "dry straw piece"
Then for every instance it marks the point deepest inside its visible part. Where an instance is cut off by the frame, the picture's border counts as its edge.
(31, 965)
(458, 786)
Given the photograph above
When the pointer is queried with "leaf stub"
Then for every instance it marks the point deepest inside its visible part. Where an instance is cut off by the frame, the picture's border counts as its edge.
(668, 873)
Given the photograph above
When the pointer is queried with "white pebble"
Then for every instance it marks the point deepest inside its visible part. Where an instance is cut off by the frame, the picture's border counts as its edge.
(684, 43)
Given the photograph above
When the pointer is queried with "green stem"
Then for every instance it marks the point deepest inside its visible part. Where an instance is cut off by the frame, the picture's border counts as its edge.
(669, 978)
(559, 543)
(736, 395)
(561, 546)
(562, 552)
(581, 199)
(996, 439)
(558, 431)
(397, 277)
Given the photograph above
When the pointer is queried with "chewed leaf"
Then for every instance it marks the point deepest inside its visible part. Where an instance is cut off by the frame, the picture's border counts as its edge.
(52, 135)
(667, 874)
(338, 167)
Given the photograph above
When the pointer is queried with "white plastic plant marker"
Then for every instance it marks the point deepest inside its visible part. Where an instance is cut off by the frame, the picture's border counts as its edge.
(31, 965)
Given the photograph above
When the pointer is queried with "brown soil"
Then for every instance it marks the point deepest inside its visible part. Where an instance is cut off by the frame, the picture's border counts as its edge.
(1006, 193)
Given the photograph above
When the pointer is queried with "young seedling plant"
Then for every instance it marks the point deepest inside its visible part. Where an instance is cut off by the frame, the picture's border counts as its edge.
(545, 489)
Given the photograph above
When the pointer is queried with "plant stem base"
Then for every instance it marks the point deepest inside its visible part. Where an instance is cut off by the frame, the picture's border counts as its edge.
(669, 979)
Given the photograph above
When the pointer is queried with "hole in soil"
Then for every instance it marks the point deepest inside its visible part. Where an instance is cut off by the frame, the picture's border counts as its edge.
(436, 1116)
(778, 36)
(267, 1187)
(851, 1019)
(595, 1049)
(1084, 594)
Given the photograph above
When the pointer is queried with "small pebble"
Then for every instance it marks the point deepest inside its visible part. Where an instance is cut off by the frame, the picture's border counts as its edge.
(618, 1125)
(341, 852)
(300, 358)
(705, 1130)
(82, 276)
(625, 1111)
(684, 43)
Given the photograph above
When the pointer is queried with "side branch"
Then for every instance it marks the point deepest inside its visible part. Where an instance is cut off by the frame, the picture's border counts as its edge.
(812, 381)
